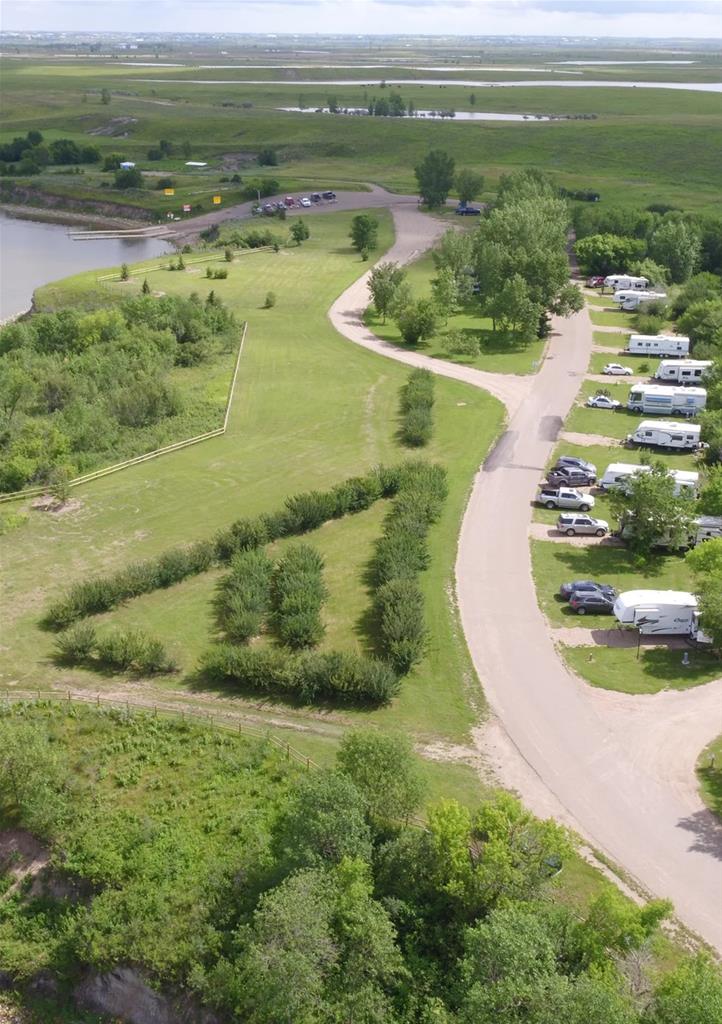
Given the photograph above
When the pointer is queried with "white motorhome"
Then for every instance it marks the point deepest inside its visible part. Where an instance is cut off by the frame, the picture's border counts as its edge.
(619, 281)
(682, 371)
(661, 399)
(630, 299)
(618, 474)
(658, 345)
(667, 434)
(659, 613)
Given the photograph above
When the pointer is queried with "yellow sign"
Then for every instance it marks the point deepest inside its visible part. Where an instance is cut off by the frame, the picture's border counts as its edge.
(168, 191)
(217, 200)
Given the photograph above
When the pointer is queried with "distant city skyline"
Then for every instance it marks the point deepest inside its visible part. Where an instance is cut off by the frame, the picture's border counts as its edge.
(654, 19)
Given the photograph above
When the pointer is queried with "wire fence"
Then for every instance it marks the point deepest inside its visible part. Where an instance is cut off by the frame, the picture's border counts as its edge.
(32, 492)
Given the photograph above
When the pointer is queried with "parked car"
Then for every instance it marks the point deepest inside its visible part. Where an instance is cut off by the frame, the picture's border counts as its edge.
(595, 281)
(468, 211)
(603, 402)
(268, 209)
(315, 197)
(568, 590)
(280, 205)
(305, 201)
(570, 476)
(289, 201)
(329, 196)
(593, 603)
(575, 462)
(565, 497)
(617, 370)
(572, 524)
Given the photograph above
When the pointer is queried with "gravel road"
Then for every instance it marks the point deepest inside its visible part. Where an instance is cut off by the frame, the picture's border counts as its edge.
(618, 768)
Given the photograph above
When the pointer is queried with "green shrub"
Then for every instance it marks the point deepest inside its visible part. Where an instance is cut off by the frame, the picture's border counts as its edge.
(417, 400)
(298, 596)
(132, 650)
(76, 644)
(646, 323)
(243, 535)
(416, 427)
(270, 300)
(305, 512)
(400, 608)
(243, 596)
(418, 390)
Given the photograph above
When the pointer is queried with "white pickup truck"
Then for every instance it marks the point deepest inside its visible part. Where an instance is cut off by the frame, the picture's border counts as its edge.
(565, 497)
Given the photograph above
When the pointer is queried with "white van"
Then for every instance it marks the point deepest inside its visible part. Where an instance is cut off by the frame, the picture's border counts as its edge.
(658, 345)
(682, 371)
(661, 399)
(659, 613)
(619, 281)
(667, 434)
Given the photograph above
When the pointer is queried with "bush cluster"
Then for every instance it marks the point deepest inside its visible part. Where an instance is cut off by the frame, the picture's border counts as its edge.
(401, 554)
(301, 513)
(417, 400)
(298, 596)
(310, 676)
(219, 274)
(121, 651)
(243, 595)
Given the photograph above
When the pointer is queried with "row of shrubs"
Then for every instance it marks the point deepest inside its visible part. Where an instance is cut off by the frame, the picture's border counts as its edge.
(401, 554)
(417, 401)
(310, 676)
(243, 596)
(300, 514)
(298, 596)
(119, 651)
(219, 274)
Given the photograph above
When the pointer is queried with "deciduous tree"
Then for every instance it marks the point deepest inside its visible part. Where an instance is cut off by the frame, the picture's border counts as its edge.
(435, 177)
(384, 283)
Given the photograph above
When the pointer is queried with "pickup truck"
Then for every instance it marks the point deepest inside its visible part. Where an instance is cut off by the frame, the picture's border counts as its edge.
(565, 497)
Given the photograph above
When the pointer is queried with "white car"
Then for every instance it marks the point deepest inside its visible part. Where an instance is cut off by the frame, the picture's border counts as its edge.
(602, 402)
(305, 201)
(617, 370)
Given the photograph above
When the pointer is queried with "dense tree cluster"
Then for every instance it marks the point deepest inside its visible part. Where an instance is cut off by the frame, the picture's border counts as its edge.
(29, 155)
(81, 388)
(279, 895)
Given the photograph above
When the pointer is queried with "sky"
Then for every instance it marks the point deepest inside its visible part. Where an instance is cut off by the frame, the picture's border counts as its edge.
(657, 19)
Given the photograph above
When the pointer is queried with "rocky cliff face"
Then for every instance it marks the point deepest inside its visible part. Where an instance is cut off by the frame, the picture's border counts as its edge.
(125, 995)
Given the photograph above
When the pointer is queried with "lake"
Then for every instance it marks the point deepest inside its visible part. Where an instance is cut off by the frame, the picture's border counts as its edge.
(578, 83)
(434, 115)
(33, 253)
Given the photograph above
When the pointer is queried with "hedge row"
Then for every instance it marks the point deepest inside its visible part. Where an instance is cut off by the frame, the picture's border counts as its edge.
(401, 554)
(301, 513)
(120, 651)
(243, 596)
(310, 676)
(298, 596)
(417, 401)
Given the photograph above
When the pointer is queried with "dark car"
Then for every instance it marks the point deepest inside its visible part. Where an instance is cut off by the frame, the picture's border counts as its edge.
(329, 196)
(592, 603)
(570, 476)
(569, 590)
(468, 211)
(315, 197)
(575, 462)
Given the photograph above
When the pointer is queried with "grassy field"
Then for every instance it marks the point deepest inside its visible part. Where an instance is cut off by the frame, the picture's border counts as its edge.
(309, 410)
(709, 772)
(642, 146)
(608, 316)
(600, 359)
(655, 669)
(497, 355)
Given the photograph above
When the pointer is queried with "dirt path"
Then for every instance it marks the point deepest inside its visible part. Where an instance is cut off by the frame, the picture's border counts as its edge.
(619, 769)
(587, 439)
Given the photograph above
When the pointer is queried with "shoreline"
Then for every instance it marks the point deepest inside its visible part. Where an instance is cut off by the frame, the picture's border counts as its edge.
(70, 217)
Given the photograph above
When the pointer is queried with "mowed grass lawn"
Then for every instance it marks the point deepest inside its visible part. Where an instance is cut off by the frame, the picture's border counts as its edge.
(498, 354)
(640, 367)
(709, 772)
(656, 668)
(310, 409)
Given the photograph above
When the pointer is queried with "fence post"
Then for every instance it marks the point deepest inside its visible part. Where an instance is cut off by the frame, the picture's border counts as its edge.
(97, 700)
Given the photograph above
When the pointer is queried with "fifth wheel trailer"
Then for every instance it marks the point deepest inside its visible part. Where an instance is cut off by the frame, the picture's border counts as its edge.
(659, 613)
(682, 371)
(667, 434)
(625, 281)
(660, 400)
(629, 299)
(657, 345)
(618, 474)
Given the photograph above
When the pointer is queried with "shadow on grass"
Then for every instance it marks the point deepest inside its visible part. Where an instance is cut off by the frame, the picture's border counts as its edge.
(666, 664)
(590, 561)
(711, 778)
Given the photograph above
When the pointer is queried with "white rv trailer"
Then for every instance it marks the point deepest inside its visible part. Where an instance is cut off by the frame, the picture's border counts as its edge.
(682, 371)
(678, 537)
(618, 474)
(660, 400)
(659, 613)
(619, 281)
(657, 345)
(667, 434)
(629, 299)
(708, 528)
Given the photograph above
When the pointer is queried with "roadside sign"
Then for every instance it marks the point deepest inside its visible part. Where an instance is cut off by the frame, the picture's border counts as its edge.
(186, 207)
(216, 200)
(168, 191)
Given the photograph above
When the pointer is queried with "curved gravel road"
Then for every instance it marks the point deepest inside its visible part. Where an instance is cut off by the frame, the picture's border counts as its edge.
(620, 769)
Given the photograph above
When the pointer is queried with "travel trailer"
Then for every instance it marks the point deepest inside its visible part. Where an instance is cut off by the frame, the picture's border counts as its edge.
(694, 532)
(660, 613)
(657, 345)
(620, 281)
(660, 400)
(617, 475)
(667, 434)
(630, 299)
(682, 371)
